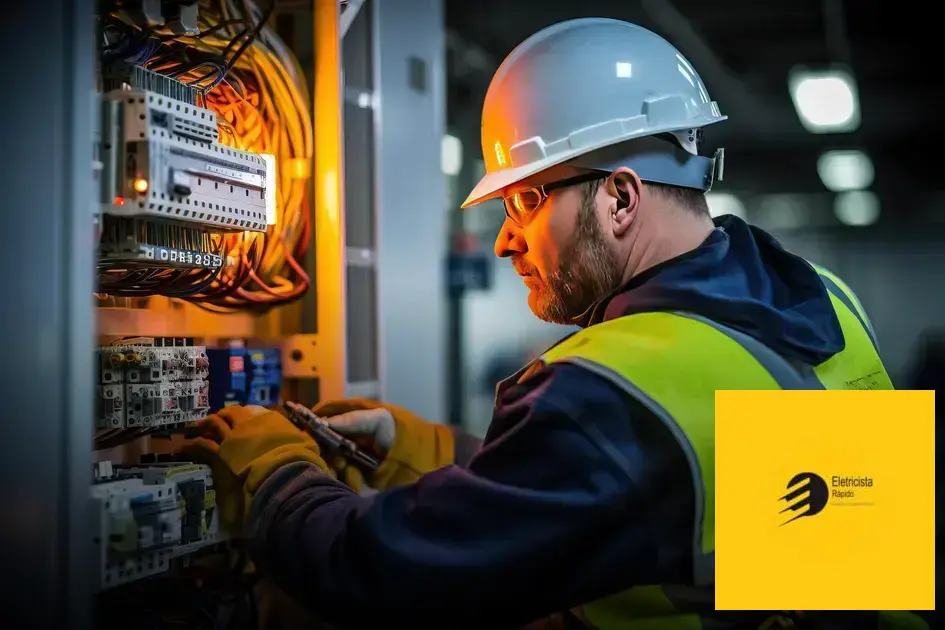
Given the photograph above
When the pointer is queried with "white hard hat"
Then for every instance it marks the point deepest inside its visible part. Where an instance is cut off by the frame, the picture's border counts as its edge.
(596, 94)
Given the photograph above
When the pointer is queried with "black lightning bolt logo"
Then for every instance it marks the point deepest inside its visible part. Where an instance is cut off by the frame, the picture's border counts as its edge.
(807, 491)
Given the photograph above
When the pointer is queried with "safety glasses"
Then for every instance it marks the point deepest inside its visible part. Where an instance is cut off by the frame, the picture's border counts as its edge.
(521, 206)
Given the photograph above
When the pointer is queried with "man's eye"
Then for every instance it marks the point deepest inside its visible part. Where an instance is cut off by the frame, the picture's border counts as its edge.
(527, 201)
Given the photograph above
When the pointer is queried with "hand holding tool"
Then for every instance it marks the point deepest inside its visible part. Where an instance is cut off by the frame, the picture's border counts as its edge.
(328, 438)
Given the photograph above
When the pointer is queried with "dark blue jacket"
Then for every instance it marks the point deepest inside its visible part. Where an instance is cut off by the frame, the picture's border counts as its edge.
(577, 492)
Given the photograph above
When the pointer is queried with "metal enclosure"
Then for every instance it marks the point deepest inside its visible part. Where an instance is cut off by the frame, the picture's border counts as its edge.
(410, 86)
(360, 208)
(384, 256)
(396, 205)
(47, 329)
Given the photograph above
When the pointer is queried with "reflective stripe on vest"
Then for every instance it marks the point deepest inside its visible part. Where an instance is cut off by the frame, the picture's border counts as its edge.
(843, 293)
(858, 369)
(673, 363)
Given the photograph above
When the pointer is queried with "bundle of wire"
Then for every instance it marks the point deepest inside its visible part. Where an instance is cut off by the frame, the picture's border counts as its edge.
(248, 76)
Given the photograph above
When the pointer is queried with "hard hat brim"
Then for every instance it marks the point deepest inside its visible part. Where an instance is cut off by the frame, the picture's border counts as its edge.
(493, 185)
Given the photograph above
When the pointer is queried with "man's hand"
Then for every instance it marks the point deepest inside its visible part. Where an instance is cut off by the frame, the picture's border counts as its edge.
(410, 446)
(244, 446)
(374, 428)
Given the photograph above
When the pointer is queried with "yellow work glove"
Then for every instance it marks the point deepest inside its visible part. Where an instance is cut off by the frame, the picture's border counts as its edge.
(409, 445)
(243, 446)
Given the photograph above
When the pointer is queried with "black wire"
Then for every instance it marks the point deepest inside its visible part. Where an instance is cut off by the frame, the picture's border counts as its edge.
(207, 32)
(148, 280)
(262, 22)
(239, 36)
(128, 37)
(225, 67)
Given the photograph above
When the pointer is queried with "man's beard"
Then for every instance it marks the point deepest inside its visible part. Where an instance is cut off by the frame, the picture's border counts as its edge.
(587, 272)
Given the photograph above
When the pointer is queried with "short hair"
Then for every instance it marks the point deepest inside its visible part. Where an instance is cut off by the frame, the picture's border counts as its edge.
(690, 199)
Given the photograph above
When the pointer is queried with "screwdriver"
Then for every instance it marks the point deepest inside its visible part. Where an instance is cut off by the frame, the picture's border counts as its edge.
(326, 437)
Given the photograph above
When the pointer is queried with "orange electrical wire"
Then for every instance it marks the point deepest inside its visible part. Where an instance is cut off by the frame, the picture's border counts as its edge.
(262, 107)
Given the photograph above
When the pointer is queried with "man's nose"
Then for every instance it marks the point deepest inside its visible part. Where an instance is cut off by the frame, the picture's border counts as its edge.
(510, 240)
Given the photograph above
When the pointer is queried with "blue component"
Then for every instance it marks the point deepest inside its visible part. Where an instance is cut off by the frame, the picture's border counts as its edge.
(141, 499)
(245, 376)
(265, 376)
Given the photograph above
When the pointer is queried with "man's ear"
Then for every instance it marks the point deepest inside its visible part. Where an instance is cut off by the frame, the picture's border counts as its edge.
(624, 189)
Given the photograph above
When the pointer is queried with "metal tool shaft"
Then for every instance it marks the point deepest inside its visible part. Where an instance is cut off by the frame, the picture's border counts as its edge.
(328, 438)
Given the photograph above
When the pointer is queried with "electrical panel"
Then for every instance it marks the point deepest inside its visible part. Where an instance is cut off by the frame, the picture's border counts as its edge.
(151, 383)
(147, 517)
(245, 376)
(204, 212)
(203, 152)
(150, 514)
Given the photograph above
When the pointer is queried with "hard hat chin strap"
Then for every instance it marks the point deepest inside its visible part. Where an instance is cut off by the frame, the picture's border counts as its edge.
(657, 161)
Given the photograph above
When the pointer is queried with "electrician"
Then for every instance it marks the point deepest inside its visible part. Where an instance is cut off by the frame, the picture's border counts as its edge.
(588, 502)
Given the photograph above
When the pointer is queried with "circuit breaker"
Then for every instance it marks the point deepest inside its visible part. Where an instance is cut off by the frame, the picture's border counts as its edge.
(147, 516)
(152, 382)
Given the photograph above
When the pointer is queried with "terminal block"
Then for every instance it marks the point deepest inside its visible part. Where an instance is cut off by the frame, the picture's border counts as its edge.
(148, 516)
(145, 382)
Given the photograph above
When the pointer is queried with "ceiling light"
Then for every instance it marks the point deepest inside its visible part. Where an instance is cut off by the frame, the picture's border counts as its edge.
(826, 101)
(857, 207)
(845, 170)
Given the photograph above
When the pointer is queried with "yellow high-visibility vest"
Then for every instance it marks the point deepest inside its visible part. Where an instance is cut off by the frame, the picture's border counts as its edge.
(673, 363)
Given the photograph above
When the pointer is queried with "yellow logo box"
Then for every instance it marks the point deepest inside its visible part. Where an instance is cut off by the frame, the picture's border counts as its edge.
(825, 500)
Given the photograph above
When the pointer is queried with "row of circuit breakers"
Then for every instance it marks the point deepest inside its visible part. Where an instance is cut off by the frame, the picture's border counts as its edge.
(155, 382)
(149, 515)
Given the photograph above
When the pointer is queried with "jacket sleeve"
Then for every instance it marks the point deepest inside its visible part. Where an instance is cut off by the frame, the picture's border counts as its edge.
(558, 508)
